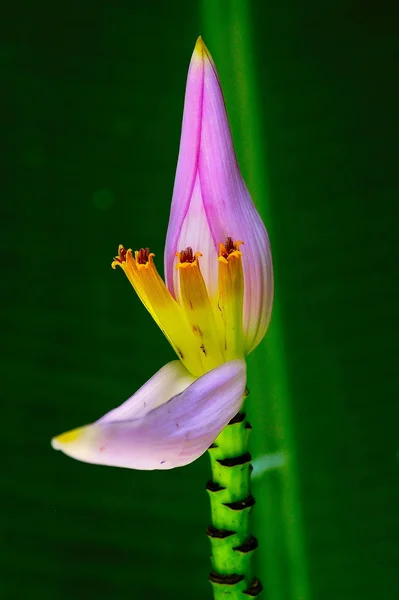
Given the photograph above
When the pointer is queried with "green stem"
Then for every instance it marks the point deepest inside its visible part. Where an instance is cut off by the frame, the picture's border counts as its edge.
(231, 502)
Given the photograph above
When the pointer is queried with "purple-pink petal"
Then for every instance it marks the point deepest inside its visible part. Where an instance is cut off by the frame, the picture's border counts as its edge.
(172, 434)
(187, 164)
(207, 165)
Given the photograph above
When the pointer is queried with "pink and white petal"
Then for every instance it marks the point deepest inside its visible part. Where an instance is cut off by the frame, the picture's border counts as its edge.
(229, 207)
(170, 380)
(187, 164)
(172, 435)
(211, 202)
(196, 233)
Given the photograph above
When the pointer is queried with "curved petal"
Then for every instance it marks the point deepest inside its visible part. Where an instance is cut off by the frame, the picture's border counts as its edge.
(187, 163)
(211, 202)
(173, 434)
(229, 207)
(169, 381)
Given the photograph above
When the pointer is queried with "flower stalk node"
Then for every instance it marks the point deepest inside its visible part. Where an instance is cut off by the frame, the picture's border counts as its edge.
(248, 502)
(249, 545)
(243, 459)
(213, 487)
(238, 418)
(225, 579)
(254, 589)
(220, 534)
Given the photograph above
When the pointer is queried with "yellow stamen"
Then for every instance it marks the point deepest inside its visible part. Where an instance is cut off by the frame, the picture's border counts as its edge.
(204, 334)
(231, 296)
(127, 263)
(164, 309)
(196, 305)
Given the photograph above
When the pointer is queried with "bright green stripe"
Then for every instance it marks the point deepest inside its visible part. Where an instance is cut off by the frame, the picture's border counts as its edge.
(278, 520)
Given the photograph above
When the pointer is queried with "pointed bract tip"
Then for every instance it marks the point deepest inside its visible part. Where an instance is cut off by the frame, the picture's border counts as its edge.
(199, 45)
(61, 440)
(200, 49)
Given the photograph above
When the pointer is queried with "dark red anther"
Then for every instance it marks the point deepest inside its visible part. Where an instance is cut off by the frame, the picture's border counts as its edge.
(143, 256)
(228, 247)
(186, 256)
(121, 258)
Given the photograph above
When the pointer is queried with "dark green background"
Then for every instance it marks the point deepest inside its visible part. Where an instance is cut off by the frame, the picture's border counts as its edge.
(91, 105)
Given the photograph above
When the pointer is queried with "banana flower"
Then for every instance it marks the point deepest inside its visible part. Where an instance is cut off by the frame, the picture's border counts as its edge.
(214, 306)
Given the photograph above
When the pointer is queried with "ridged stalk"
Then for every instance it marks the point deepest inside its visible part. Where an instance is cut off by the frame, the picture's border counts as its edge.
(230, 535)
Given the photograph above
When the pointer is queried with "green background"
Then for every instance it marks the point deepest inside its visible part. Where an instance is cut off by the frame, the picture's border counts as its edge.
(91, 106)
